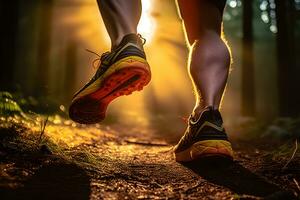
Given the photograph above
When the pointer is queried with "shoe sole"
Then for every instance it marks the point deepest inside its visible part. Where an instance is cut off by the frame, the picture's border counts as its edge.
(122, 78)
(205, 148)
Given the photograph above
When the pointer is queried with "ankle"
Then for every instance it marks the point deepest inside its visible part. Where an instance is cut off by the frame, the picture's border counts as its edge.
(125, 38)
(198, 110)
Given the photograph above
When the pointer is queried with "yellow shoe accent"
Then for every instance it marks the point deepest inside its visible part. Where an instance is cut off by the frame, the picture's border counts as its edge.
(205, 148)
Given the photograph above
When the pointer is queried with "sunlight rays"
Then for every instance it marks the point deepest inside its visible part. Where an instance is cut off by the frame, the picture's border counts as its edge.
(169, 95)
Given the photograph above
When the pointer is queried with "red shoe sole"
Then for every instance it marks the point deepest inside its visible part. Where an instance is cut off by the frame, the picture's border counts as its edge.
(92, 108)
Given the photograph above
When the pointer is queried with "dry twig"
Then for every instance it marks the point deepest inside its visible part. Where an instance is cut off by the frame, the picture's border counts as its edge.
(293, 155)
(144, 143)
(250, 197)
(43, 127)
(296, 183)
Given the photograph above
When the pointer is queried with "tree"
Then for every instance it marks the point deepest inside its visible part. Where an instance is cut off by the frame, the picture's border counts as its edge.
(71, 66)
(288, 71)
(44, 46)
(9, 23)
(248, 91)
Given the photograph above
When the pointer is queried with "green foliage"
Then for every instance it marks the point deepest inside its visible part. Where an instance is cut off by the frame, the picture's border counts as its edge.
(8, 106)
(16, 104)
(40, 105)
(18, 137)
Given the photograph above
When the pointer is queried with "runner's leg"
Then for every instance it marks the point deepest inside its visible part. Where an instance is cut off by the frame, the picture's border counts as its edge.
(209, 55)
(120, 17)
(121, 71)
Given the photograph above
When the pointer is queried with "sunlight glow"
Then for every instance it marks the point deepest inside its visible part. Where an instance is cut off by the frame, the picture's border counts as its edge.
(167, 98)
(146, 25)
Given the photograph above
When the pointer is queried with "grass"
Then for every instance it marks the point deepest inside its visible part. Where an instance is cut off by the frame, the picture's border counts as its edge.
(19, 138)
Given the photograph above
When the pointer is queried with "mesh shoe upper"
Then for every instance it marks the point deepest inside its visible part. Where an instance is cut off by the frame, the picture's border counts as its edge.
(131, 45)
(207, 127)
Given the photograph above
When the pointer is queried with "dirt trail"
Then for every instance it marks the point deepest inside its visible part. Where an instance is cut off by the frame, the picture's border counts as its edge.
(106, 164)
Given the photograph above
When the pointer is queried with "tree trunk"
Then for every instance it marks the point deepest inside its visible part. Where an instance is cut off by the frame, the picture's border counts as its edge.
(248, 90)
(9, 22)
(43, 60)
(71, 68)
(288, 72)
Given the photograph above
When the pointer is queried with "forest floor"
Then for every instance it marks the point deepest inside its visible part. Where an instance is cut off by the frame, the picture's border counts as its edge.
(70, 161)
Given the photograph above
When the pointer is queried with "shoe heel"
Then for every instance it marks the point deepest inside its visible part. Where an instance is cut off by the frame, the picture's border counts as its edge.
(211, 148)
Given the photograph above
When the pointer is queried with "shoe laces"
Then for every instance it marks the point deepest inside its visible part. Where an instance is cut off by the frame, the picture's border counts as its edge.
(96, 62)
(142, 38)
(184, 119)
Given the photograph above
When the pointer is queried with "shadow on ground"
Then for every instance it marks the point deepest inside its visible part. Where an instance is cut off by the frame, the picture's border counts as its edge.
(58, 181)
(230, 174)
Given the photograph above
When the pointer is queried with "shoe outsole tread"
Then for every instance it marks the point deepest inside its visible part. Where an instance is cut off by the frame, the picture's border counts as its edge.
(91, 108)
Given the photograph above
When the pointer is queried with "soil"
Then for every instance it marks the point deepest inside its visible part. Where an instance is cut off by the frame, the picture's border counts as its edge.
(71, 161)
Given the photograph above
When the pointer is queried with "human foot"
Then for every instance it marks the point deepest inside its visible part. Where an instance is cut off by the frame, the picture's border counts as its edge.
(121, 72)
(204, 137)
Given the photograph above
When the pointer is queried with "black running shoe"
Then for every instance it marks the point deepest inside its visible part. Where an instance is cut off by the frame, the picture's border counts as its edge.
(121, 72)
(204, 137)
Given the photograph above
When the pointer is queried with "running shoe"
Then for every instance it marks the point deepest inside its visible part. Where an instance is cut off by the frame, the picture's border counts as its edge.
(204, 137)
(120, 72)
